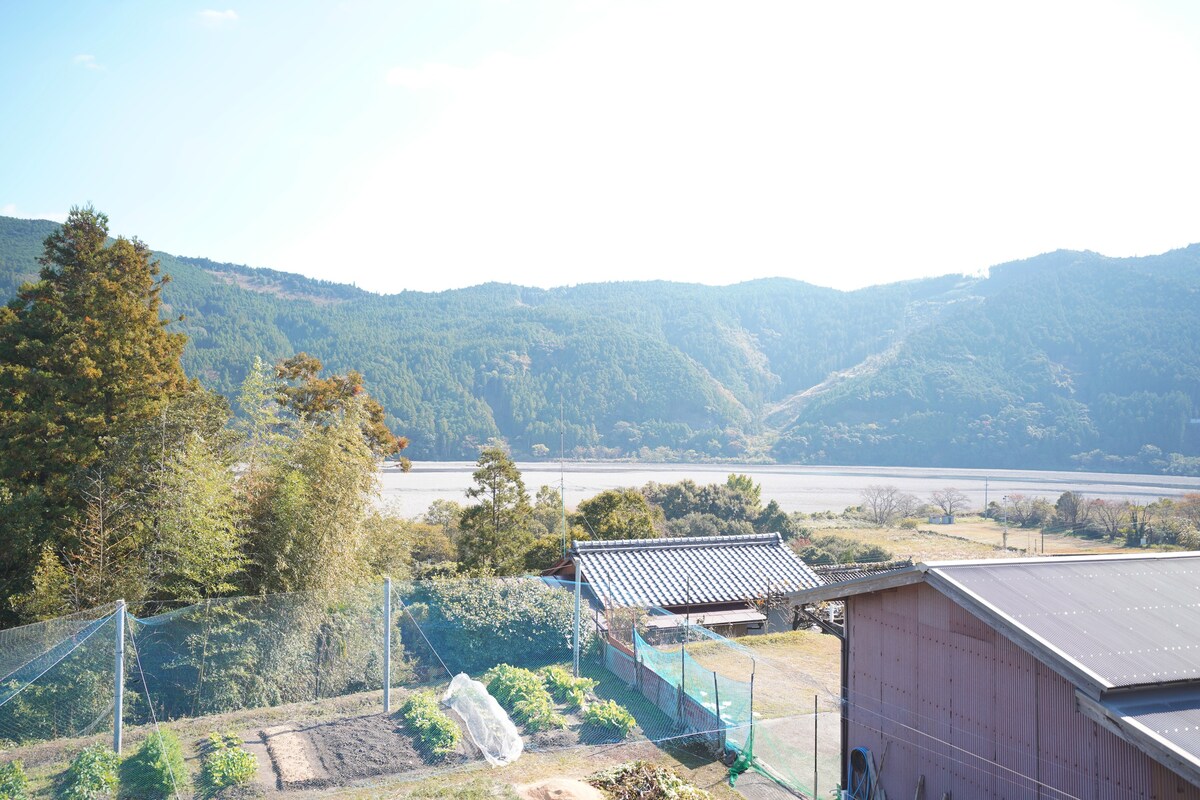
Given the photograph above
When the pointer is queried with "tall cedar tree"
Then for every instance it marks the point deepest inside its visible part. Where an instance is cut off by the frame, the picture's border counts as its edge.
(84, 358)
(495, 533)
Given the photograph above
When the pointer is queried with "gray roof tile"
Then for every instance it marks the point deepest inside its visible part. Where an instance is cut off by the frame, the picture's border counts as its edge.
(695, 570)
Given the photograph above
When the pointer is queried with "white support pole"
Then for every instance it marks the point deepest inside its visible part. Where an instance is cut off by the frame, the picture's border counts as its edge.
(578, 596)
(387, 645)
(119, 680)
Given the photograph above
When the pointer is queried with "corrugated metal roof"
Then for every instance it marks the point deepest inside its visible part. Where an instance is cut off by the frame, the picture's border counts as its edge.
(695, 570)
(1127, 622)
(1170, 715)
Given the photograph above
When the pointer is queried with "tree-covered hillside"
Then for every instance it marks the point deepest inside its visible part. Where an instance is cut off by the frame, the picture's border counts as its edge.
(1063, 360)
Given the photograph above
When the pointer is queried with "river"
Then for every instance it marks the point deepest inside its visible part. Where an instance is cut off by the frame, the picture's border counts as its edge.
(795, 488)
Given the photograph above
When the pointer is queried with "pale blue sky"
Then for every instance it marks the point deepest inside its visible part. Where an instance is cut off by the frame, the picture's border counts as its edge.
(432, 145)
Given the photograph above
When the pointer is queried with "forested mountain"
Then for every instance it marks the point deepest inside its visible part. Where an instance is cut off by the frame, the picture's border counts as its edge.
(1064, 360)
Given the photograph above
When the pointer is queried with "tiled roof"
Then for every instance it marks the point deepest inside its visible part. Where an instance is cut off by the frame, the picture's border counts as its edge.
(835, 573)
(691, 570)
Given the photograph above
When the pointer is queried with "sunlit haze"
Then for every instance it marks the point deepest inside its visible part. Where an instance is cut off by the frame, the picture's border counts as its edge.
(435, 145)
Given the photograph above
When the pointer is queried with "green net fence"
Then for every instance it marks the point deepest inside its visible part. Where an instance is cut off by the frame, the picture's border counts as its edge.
(773, 720)
(289, 687)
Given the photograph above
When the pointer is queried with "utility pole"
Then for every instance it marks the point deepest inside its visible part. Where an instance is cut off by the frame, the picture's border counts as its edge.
(1006, 523)
(985, 492)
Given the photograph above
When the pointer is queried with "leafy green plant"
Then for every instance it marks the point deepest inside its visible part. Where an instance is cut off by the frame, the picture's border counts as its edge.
(566, 688)
(641, 780)
(92, 774)
(157, 770)
(226, 763)
(523, 695)
(476, 624)
(610, 716)
(436, 733)
(13, 783)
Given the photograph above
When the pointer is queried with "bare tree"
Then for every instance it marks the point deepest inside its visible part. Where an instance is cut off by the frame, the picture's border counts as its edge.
(1072, 511)
(949, 500)
(1110, 515)
(879, 503)
(1019, 508)
(907, 505)
(1141, 522)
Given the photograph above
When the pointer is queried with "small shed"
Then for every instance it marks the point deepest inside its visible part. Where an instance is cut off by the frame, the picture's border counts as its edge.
(718, 581)
(1026, 678)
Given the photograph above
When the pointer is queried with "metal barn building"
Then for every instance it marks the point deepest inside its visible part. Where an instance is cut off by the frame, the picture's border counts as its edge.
(1026, 678)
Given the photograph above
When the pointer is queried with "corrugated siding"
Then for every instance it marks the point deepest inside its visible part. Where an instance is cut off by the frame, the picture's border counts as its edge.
(1066, 739)
(1016, 721)
(977, 716)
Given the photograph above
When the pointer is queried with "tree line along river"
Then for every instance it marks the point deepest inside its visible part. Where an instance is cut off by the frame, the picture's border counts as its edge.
(795, 488)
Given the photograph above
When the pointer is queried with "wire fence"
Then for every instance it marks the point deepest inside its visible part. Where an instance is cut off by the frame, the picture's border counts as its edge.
(289, 688)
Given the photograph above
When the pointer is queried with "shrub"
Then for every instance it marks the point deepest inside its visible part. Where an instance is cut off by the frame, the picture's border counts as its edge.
(156, 771)
(641, 780)
(226, 763)
(610, 716)
(92, 774)
(477, 623)
(524, 695)
(436, 733)
(566, 688)
(13, 783)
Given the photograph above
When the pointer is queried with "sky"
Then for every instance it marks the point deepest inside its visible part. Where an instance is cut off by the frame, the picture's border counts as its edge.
(439, 144)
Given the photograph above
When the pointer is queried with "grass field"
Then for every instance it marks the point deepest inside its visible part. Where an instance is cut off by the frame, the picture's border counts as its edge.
(967, 538)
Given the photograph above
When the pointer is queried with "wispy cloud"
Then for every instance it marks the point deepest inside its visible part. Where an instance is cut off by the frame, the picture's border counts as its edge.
(87, 61)
(215, 19)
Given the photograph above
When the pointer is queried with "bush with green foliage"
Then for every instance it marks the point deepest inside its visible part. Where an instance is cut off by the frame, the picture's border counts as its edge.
(436, 733)
(226, 763)
(523, 695)
(835, 549)
(157, 770)
(566, 688)
(642, 780)
(610, 716)
(92, 774)
(13, 783)
(475, 624)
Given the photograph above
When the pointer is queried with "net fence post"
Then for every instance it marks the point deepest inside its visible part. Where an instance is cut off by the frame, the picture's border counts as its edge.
(578, 598)
(816, 733)
(387, 645)
(119, 678)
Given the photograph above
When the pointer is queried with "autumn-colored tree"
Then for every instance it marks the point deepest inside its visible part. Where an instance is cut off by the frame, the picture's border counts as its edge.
(313, 398)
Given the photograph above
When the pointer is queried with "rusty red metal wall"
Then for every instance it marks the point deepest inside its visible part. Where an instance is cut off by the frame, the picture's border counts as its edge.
(934, 691)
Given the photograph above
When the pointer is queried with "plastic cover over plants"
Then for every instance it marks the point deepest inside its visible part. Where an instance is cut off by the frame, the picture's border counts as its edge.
(487, 723)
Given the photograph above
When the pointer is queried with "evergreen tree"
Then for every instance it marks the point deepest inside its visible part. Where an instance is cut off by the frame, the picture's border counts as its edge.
(495, 533)
(84, 359)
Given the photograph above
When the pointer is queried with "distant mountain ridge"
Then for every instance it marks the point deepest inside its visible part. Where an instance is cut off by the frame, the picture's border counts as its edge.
(1063, 360)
